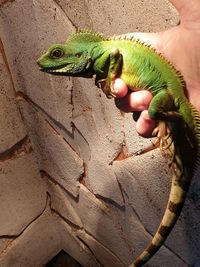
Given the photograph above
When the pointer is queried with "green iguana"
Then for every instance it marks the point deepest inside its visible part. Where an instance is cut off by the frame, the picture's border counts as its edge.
(86, 54)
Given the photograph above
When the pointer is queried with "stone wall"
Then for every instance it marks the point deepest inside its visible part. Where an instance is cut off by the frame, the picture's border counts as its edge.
(65, 181)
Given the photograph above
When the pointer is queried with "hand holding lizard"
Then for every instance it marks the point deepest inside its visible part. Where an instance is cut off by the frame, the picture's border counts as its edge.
(181, 46)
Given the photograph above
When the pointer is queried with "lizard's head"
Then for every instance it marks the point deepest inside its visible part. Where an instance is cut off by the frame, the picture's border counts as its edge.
(65, 60)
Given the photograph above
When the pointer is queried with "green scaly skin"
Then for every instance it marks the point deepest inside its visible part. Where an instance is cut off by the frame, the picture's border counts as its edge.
(178, 132)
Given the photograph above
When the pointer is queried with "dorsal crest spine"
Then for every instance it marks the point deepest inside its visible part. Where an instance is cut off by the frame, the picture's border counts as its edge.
(88, 35)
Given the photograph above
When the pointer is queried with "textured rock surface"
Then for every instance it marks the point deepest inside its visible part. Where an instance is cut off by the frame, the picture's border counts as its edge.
(12, 127)
(22, 197)
(65, 181)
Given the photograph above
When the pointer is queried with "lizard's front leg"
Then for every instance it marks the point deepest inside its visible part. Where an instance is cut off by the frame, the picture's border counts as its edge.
(114, 71)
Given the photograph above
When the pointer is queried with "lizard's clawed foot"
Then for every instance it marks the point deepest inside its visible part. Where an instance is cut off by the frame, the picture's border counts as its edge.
(162, 133)
(163, 140)
(107, 87)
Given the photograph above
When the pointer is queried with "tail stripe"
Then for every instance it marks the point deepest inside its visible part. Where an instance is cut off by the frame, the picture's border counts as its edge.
(157, 240)
(151, 249)
(175, 208)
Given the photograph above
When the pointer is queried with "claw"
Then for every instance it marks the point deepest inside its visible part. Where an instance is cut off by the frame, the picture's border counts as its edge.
(163, 140)
(100, 83)
(162, 134)
(154, 145)
(107, 88)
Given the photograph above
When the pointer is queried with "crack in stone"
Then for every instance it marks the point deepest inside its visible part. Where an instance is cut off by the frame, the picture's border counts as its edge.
(152, 235)
(21, 147)
(63, 11)
(20, 95)
(48, 201)
(122, 154)
(43, 174)
(85, 244)
(75, 128)
(121, 190)
(48, 118)
(82, 177)
(96, 240)
(65, 219)
(109, 201)
(58, 133)
(108, 211)
(2, 51)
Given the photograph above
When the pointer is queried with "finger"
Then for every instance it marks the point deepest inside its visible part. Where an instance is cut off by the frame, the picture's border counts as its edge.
(120, 88)
(135, 101)
(145, 124)
(188, 10)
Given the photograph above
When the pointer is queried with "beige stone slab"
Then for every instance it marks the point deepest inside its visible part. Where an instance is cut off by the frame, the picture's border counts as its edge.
(99, 221)
(38, 26)
(103, 254)
(98, 121)
(4, 243)
(145, 180)
(12, 126)
(43, 239)
(55, 156)
(60, 204)
(75, 247)
(22, 194)
(35, 246)
(122, 16)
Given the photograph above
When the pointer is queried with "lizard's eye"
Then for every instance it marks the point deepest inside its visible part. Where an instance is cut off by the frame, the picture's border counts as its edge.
(56, 53)
(78, 55)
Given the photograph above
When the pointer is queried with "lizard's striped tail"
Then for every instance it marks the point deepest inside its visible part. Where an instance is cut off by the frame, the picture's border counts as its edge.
(180, 183)
(172, 212)
(183, 147)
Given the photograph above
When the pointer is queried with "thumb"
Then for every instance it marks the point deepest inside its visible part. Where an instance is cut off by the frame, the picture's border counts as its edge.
(188, 10)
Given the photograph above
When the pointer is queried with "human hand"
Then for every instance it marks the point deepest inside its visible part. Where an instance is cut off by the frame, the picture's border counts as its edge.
(181, 46)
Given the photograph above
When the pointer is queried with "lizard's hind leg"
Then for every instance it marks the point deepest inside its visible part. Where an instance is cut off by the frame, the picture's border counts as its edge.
(163, 139)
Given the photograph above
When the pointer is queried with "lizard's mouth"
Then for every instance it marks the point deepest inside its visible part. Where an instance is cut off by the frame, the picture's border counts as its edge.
(56, 70)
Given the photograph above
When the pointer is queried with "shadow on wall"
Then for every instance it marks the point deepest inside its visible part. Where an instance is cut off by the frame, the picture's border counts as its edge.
(62, 259)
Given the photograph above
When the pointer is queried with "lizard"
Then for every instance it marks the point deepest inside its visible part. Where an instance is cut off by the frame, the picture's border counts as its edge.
(86, 54)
